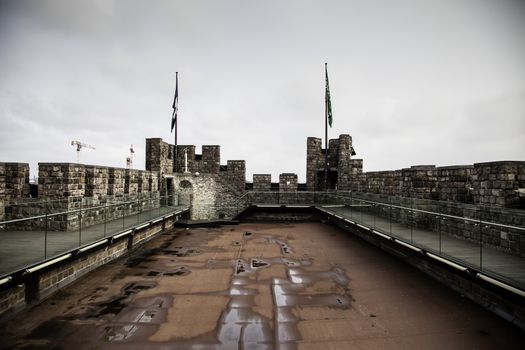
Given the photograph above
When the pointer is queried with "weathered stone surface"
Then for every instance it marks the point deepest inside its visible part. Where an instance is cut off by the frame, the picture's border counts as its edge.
(234, 175)
(455, 183)
(288, 182)
(496, 183)
(159, 156)
(14, 184)
(116, 181)
(339, 160)
(131, 183)
(58, 180)
(491, 183)
(96, 181)
(67, 186)
(262, 182)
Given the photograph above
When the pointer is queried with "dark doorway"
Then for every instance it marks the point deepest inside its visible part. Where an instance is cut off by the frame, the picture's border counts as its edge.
(168, 192)
(332, 180)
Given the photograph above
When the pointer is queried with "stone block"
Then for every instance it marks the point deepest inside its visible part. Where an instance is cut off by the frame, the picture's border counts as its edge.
(262, 182)
(288, 182)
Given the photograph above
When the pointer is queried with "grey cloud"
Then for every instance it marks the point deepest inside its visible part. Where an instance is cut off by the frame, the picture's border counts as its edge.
(413, 82)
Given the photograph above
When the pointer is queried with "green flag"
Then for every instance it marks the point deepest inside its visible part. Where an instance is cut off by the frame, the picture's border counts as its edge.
(328, 103)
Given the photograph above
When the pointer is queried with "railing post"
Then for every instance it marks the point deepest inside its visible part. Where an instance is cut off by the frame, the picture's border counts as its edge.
(374, 215)
(80, 224)
(45, 230)
(390, 214)
(105, 215)
(411, 220)
(480, 240)
(361, 211)
(139, 210)
(439, 229)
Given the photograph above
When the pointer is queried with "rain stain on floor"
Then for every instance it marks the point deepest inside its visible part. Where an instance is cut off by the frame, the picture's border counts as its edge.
(131, 318)
(277, 290)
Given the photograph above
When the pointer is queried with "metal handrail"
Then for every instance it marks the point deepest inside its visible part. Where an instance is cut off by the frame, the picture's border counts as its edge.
(33, 201)
(80, 210)
(41, 263)
(477, 221)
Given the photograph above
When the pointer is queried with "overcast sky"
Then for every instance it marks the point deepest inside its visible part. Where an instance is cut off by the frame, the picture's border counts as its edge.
(414, 82)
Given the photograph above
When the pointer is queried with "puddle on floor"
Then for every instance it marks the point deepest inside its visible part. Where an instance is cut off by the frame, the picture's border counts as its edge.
(300, 276)
(127, 317)
(178, 271)
(115, 306)
(181, 251)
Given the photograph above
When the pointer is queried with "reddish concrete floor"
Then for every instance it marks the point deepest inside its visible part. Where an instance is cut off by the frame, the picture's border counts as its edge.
(258, 286)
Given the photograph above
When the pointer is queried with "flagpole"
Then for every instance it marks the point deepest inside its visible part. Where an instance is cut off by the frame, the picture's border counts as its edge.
(176, 122)
(326, 134)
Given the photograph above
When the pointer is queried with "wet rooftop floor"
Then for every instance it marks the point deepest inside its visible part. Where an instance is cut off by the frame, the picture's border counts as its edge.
(257, 286)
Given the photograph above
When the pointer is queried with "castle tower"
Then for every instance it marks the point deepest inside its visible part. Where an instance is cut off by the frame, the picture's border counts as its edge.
(340, 164)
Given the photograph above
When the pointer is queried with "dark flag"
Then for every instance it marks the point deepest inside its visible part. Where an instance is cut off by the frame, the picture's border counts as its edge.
(328, 103)
(175, 102)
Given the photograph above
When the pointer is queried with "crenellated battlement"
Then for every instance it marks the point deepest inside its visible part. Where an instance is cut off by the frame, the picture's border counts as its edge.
(498, 184)
(340, 163)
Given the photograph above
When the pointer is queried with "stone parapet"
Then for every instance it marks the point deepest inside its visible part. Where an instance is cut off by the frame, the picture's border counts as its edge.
(14, 184)
(497, 183)
(211, 159)
(235, 175)
(314, 161)
(186, 156)
(154, 181)
(58, 180)
(116, 181)
(262, 182)
(131, 183)
(96, 181)
(206, 163)
(455, 183)
(14, 181)
(159, 156)
(340, 165)
(333, 153)
(420, 181)
(288, 182)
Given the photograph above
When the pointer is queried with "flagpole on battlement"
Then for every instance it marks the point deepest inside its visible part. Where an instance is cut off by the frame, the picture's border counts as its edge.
(174, 121)
(175, 159)
(326, 134)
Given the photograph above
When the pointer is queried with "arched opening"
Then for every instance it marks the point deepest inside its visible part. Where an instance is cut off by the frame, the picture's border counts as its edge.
(185, 184)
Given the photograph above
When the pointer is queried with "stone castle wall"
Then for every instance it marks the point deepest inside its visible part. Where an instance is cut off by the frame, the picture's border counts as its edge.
(288, 182)
(262, 182)
(491, 183)
(340, 152)
(159, 156)
(116, 181)
(497, 183)
(14, 184)
(66, 187)
(231, 178)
